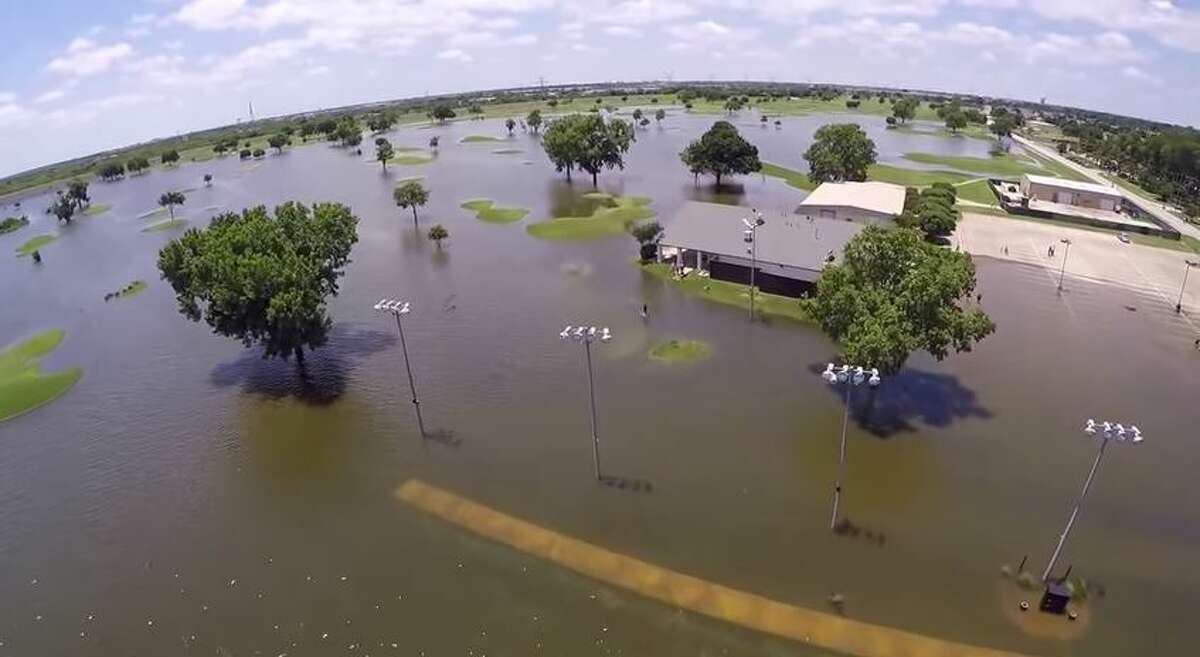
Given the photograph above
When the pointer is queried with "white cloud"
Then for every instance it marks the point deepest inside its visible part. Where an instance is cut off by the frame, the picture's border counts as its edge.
(623, 31)
(629, 12)
(455, 54)
(807, 8)
(12, 114)
(7, 97)
(86, 57)
(710, 33)
(50, 96)
(88, 110)
(1134, 73)
(317, 70)
(1163, 21)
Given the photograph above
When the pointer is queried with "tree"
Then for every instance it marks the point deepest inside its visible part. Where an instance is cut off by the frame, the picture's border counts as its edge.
(637, 115)
(307, 129)
(905, 109)
(384, 152)
(433, 142)
(553, 102)
(931, 211)
(955, 120)
(278, 142)
(442, 112)
(1003, 125)
(720, 152)
(894, 293)
(137, 165)
(891, 122)
(534, 120)
(659, 115)
(258, 152)
(244, 154)
(349, 132)
(169, 200)
(62, 207)
(475, 109)
(647, 235)
(438, 233)
(77, 194)
(327, 127)
(111, 171)
(839, 152)
(263, 279)
(170, 157)
(411, 195)
(208, 180)
(381, 121)
(588, 142)
(762, 120)
(733, 104)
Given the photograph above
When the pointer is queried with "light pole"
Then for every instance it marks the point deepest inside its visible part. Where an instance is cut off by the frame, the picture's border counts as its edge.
(398, 308)
(587, 335)
(1062, 272)
(1108, 430)
(750, 236)
(1188, 264)
(849, 376)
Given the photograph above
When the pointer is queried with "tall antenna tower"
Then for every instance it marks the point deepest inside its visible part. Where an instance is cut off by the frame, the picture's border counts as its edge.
(251, 111)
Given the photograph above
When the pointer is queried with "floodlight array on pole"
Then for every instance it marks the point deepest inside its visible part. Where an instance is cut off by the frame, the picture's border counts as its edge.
(850, 376)
(1062, 272)
(398, 309)
(1188, 264)
(750, 236)
(587, 335)
(1106, 431)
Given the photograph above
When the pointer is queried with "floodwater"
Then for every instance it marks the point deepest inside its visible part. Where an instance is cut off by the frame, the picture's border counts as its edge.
(187, 497)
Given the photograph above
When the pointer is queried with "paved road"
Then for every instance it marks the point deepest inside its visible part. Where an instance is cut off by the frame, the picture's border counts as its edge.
(1154, 207)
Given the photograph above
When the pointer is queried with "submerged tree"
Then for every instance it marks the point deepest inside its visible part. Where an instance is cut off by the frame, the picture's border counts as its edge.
(438, 233)
(647, 235)
(170, 157)
(839, 152)
(208, 180)
(587, 142)
(77, 193)
(384, 151)
(169, 200)
(278, 142)
(510, 123)
(895, 293)
(411, 195)
(720, 152)
(534, 120)
(263, 279)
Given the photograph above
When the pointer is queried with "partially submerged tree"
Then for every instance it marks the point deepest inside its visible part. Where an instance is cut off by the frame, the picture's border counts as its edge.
(62, 207)
(433, 142)
(510, 123)
(588, 142)
(169, 200)
(720, 152)
(208, 180)
(905, 109)
(839, 152)
(111, 171)
(534, 120)
(137, 165)
(278, 142)
(659, 115)
(438, 233)
(411, 195)
(263, 279)
(381, 121)
(955, 120)
(170, 157)
(384, 151)
(647, 235)
(442, 112)
(895, 293)
(77, 193)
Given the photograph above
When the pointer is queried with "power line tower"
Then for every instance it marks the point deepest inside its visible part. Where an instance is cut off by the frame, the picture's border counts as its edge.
(252, 111)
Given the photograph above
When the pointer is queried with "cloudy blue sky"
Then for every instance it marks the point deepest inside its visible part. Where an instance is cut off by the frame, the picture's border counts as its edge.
(78, 76)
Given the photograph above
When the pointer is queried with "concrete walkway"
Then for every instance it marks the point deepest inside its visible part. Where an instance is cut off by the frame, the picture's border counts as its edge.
(684, 591)
(1154, 207)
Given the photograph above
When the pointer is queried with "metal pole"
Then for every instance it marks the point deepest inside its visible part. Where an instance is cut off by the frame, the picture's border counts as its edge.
(837, 488)
(1074, 512)
(753, 266)
(1063, 271)
(408, 368)
(587, 346)
(1187, 268)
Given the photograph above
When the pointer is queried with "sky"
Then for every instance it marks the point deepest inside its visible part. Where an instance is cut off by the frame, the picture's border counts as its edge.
(78, 77)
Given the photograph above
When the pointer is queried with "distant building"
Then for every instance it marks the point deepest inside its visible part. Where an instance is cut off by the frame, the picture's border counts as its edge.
(1071, 192)
(862, 202)
(792, 249)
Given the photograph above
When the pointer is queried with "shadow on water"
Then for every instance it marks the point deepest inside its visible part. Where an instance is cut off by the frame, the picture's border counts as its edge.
(729, 193)
(912, 395)
(321, 379)
(630, 484)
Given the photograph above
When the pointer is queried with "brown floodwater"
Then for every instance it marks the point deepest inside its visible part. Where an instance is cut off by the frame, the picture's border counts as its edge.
(188, 497)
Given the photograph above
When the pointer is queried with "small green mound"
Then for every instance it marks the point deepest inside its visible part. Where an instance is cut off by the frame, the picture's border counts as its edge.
(96, 208)
(730, 294)
(603, 196)
(424, 158)
(474, 139)
(912, 177)
(796, 179)
(680, 351)
(486, 210)
(507, 151)
(127, 291)
(34, 244)
(998, 165)
(23, 386)
(164, 225)
(12, 224)
(978, 191)
(610, 219)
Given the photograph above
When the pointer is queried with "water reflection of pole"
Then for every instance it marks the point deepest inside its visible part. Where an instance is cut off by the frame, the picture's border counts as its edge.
(1062, 272)
(587, 335)
(1107, 430)
(849, 376)
(398, 308)
(1188, 264)
(750, 236)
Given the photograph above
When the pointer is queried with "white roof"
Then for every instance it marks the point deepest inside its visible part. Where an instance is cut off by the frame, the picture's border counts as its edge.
(1094, 188)
(881, 197)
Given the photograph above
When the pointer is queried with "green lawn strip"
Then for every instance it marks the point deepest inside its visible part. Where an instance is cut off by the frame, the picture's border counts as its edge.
(978, 191)
(790, 176)
(13, 224)
(806, 106)
(603, 196)
(486, 210)
(474, 139)
(507, 151)
(1129, 186)
(998, 165)
(913, 177)
(23, 386)
(34, 244)
(412, 159)
(127, 291)
(1058, 169)
(680, 351)
(96, 208)
(606, 221)
(164, 225)
(1192, 243)
(731, 294)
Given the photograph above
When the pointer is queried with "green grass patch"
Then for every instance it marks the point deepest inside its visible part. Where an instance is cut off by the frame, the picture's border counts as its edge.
(998, 165)
(507, 151)
(731, 294)
(424, 158)
(978, 191)
(680, 351)
(23, 386)
(475, 139)
(602, 196)
(486, 210)
(790, 176)
(1058, 169)
(169, 224)
(912, 177)
(96, 208)
(127, 291)
(1192, 243)
(13, 224)
(34, 244)
(609, 219)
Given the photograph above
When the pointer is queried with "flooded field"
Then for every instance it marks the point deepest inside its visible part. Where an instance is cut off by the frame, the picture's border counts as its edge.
(188, 497)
